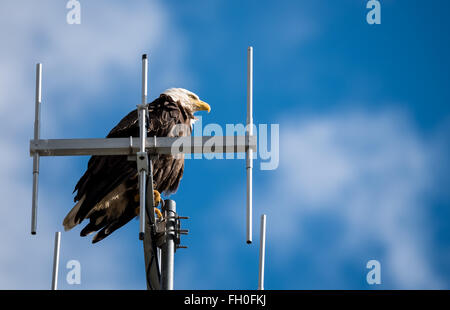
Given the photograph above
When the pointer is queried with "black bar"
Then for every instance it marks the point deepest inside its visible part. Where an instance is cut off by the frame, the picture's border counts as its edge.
(230, 298)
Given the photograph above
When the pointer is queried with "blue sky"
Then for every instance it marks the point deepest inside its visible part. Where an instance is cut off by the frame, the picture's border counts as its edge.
(364, 129)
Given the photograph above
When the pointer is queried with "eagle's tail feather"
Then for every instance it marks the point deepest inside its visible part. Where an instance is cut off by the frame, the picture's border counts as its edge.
(108, 229)
(70, 220)
(100, 236)
(88, 229)
(105, 232)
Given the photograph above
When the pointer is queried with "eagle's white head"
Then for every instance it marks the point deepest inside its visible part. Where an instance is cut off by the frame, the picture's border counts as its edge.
(188, 99)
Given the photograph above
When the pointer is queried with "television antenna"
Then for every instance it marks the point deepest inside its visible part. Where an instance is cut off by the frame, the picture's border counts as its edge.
(160, 238)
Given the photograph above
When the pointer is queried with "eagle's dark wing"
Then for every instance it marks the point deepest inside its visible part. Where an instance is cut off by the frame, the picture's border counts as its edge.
(107, 192)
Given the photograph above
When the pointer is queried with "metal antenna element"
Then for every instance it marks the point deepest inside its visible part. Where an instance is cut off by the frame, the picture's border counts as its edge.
(151, 251)
(249, 133)
(37, 134)
(168, 248)
(142, 157)
(147, 231)
(56, 260)
(262, 252)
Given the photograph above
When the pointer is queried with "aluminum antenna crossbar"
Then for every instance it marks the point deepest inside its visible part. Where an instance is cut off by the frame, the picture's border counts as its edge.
(130, 146)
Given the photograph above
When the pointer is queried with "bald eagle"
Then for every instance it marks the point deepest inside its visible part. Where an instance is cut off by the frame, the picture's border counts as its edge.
(108, 193)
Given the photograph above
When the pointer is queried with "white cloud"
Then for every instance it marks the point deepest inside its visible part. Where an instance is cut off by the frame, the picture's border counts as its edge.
(78, 64)
(367, 173)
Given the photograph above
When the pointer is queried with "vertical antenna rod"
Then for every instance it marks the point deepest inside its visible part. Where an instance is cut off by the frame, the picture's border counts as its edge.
(249, 165)
(168, 248)
(37, 133)
(147, 228)
(151, 251)
(262, 252)
(141, 156)
(56, 260)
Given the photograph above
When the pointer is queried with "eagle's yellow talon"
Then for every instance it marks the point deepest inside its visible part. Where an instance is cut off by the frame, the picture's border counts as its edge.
(156, 201)
(156, 197)
(158, 213)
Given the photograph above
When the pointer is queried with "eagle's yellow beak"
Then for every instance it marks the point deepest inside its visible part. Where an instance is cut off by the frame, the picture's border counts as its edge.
(202, 106)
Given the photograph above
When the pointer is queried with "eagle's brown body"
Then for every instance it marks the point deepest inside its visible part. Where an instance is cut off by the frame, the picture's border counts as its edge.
(106, 193)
